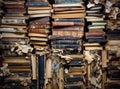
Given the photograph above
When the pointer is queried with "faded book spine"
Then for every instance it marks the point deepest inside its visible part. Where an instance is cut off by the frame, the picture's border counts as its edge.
(68, 24)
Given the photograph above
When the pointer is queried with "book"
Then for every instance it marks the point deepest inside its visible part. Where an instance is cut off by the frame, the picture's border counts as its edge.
(67, 24)
(67, 5)
(67, 1)
(39, 15)
(37, 35)
(19, 30)
(38, 39)
(69, 28)
(73, 15)
(69, 20)
(13, 34)
(39, 11)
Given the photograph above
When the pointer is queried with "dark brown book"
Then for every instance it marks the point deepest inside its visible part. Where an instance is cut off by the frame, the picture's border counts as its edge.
(70, 28)
(57, 9)
(95, 34)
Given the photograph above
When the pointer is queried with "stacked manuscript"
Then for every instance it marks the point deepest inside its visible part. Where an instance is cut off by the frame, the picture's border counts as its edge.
(13, 30)
(67, 32)
(94, 37)
(39, 25)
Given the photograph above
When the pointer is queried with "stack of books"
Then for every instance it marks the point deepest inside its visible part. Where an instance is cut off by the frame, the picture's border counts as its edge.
(112, 48)
(38, 8)
(96, 23)
(39, 30)
(67, 32)
(74, 73)
(13, 30)
(39, 12)
(13, 26)
(68, 24)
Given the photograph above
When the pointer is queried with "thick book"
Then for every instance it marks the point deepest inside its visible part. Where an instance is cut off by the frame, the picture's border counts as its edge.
(41, 31)
(38, 39)
(39, 8)
(36, 4)
(69, 28)
(37, 35)
(73, 15)
(40, 15)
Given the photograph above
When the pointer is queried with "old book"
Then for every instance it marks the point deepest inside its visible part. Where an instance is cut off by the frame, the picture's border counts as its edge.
(68, 24)
(39, 11)
(39, 26)
(13, 26)
(13, 35)
(39, 8)
(57, 9)
(37, 35)
(16, 17)
(38, 43)
(37, 3)
(19, 30)
(41, 31)
(67, 33)
(88, 34)
(67, 5)
(70, 12)
(13, 21)
(69, 20)
(94, 48)
(34, 67)
(69, 28)
(67, 41)
(73, 15)
(96, 27)
(61, 46)
(38, 39)
(67, 1)
(39, 15)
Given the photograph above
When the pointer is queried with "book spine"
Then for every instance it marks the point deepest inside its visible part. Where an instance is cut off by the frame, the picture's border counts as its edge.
(69, 20)
(67, 9)
(36, 4)
(68, 24)
(72, 28)
(60, 46)
(66, 42)
(37, 26)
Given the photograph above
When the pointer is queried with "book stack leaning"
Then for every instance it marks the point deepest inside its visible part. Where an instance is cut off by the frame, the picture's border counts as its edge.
(112, 48)
(67, 32)
(94, 37)
(13, 30)
(39, 12)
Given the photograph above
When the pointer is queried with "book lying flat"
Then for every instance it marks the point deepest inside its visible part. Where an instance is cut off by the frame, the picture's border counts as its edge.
(73, 15)
(68, 24)
(67, 5)
(37, 35)
(39, 15)
(38, 39)
(13, 35)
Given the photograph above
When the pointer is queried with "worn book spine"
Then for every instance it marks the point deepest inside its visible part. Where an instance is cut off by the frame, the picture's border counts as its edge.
(68, 9)
(69, 20)
(69, 28)
(68, 24)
